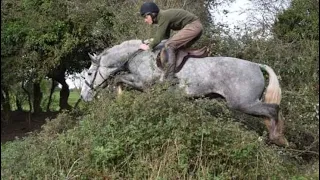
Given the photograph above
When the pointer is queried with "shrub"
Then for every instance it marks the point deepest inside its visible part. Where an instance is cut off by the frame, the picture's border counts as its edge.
(157, 134)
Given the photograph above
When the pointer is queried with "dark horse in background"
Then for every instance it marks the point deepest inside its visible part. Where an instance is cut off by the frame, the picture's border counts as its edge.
(240, 82)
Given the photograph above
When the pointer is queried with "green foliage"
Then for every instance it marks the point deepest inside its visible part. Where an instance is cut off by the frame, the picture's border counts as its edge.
(36, 160)
(41, 35)
(153, 135)
(296, 64)
(299, 21)
(301, 112)
(45, 37)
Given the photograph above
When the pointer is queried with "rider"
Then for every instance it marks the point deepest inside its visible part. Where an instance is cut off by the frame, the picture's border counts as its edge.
(187, 24)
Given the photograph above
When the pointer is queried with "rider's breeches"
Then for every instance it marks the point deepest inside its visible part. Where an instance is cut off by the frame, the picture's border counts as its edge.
(186, 36)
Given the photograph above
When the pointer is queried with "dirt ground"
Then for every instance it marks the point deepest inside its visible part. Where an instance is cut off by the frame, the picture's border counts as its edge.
(19, 124)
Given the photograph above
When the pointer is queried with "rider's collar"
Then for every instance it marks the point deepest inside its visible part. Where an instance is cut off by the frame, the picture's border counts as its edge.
(156, 19)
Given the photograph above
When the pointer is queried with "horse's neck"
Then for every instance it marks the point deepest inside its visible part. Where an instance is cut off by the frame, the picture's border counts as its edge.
(145, 60)
(122, 52)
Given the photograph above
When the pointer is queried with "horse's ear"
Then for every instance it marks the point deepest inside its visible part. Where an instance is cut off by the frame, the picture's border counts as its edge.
(92, 57)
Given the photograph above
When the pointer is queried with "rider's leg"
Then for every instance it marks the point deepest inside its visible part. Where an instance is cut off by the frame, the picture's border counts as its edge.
(171, 64)
(186, 36)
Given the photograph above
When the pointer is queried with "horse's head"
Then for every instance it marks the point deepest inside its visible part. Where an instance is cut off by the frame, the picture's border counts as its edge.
(106, 65)
(102, 68)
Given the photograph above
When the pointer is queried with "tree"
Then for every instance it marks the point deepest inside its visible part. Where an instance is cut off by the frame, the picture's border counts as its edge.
(299, 21)
(46, 38)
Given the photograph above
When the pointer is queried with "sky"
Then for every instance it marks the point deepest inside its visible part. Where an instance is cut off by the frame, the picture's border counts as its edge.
(236, 16)
(74, 82)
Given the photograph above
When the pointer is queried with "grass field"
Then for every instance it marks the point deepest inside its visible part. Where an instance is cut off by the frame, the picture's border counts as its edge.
(54, 106)
(73, 98)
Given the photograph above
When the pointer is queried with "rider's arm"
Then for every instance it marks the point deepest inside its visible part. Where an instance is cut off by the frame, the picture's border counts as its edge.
(163, 32)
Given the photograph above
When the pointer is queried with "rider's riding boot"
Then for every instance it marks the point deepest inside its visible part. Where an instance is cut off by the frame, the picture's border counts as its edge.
(171, 65)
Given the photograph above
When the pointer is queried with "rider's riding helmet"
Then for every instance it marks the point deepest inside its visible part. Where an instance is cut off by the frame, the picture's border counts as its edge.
(148, 8)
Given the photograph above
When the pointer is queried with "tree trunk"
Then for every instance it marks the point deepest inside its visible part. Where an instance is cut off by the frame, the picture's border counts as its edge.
(37, 97)
(53, 86)
(18, 104)
(58, 75)
(29, 96)
(5, 103)
(5, 99)
(64, 95)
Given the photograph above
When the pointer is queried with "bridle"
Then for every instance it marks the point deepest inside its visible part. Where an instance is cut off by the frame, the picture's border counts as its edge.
(90, 85)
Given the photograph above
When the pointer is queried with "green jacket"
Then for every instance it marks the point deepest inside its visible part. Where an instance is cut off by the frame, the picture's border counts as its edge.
(174, 19)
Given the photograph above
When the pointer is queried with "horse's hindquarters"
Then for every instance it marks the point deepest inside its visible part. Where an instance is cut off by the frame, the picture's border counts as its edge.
(231, 78)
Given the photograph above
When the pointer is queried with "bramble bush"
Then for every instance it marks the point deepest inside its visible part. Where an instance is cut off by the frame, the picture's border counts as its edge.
(158, 134)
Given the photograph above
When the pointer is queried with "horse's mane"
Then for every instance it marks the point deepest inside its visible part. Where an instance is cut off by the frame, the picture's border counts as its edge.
(121, 48)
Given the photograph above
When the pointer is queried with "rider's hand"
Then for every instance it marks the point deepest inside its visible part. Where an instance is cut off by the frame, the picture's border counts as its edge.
(144, 47)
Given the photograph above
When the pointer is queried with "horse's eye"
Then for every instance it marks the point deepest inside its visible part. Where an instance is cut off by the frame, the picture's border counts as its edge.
(89, 73)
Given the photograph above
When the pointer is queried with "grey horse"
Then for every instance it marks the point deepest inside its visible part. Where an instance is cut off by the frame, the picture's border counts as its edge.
(241, 83)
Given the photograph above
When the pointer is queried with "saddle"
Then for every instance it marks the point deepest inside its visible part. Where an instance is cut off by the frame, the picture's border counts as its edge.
(182, 55)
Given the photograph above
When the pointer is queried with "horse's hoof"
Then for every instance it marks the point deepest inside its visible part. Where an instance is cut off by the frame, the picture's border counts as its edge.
(281, 141)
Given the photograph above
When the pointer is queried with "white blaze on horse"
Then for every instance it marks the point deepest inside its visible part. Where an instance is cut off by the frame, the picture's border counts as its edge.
(241, 83)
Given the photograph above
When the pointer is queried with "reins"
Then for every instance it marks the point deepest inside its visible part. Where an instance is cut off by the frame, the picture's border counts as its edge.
(133, 55)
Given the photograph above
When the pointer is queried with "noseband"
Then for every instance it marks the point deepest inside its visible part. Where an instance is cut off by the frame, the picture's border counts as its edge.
(90, 85)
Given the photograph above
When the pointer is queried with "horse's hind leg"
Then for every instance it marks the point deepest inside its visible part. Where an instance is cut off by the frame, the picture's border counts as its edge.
(271, 111)
(258, 109)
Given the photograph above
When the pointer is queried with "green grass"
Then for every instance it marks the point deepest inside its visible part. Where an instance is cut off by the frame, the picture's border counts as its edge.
(73, 98)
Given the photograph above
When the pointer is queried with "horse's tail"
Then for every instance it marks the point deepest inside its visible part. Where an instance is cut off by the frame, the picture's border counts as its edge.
(273, 91)
(273, 96)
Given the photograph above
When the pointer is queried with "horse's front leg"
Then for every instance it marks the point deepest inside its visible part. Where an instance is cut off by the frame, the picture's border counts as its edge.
(130, 80)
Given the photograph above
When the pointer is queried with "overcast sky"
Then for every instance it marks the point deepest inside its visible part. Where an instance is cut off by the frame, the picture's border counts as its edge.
(236, 13)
